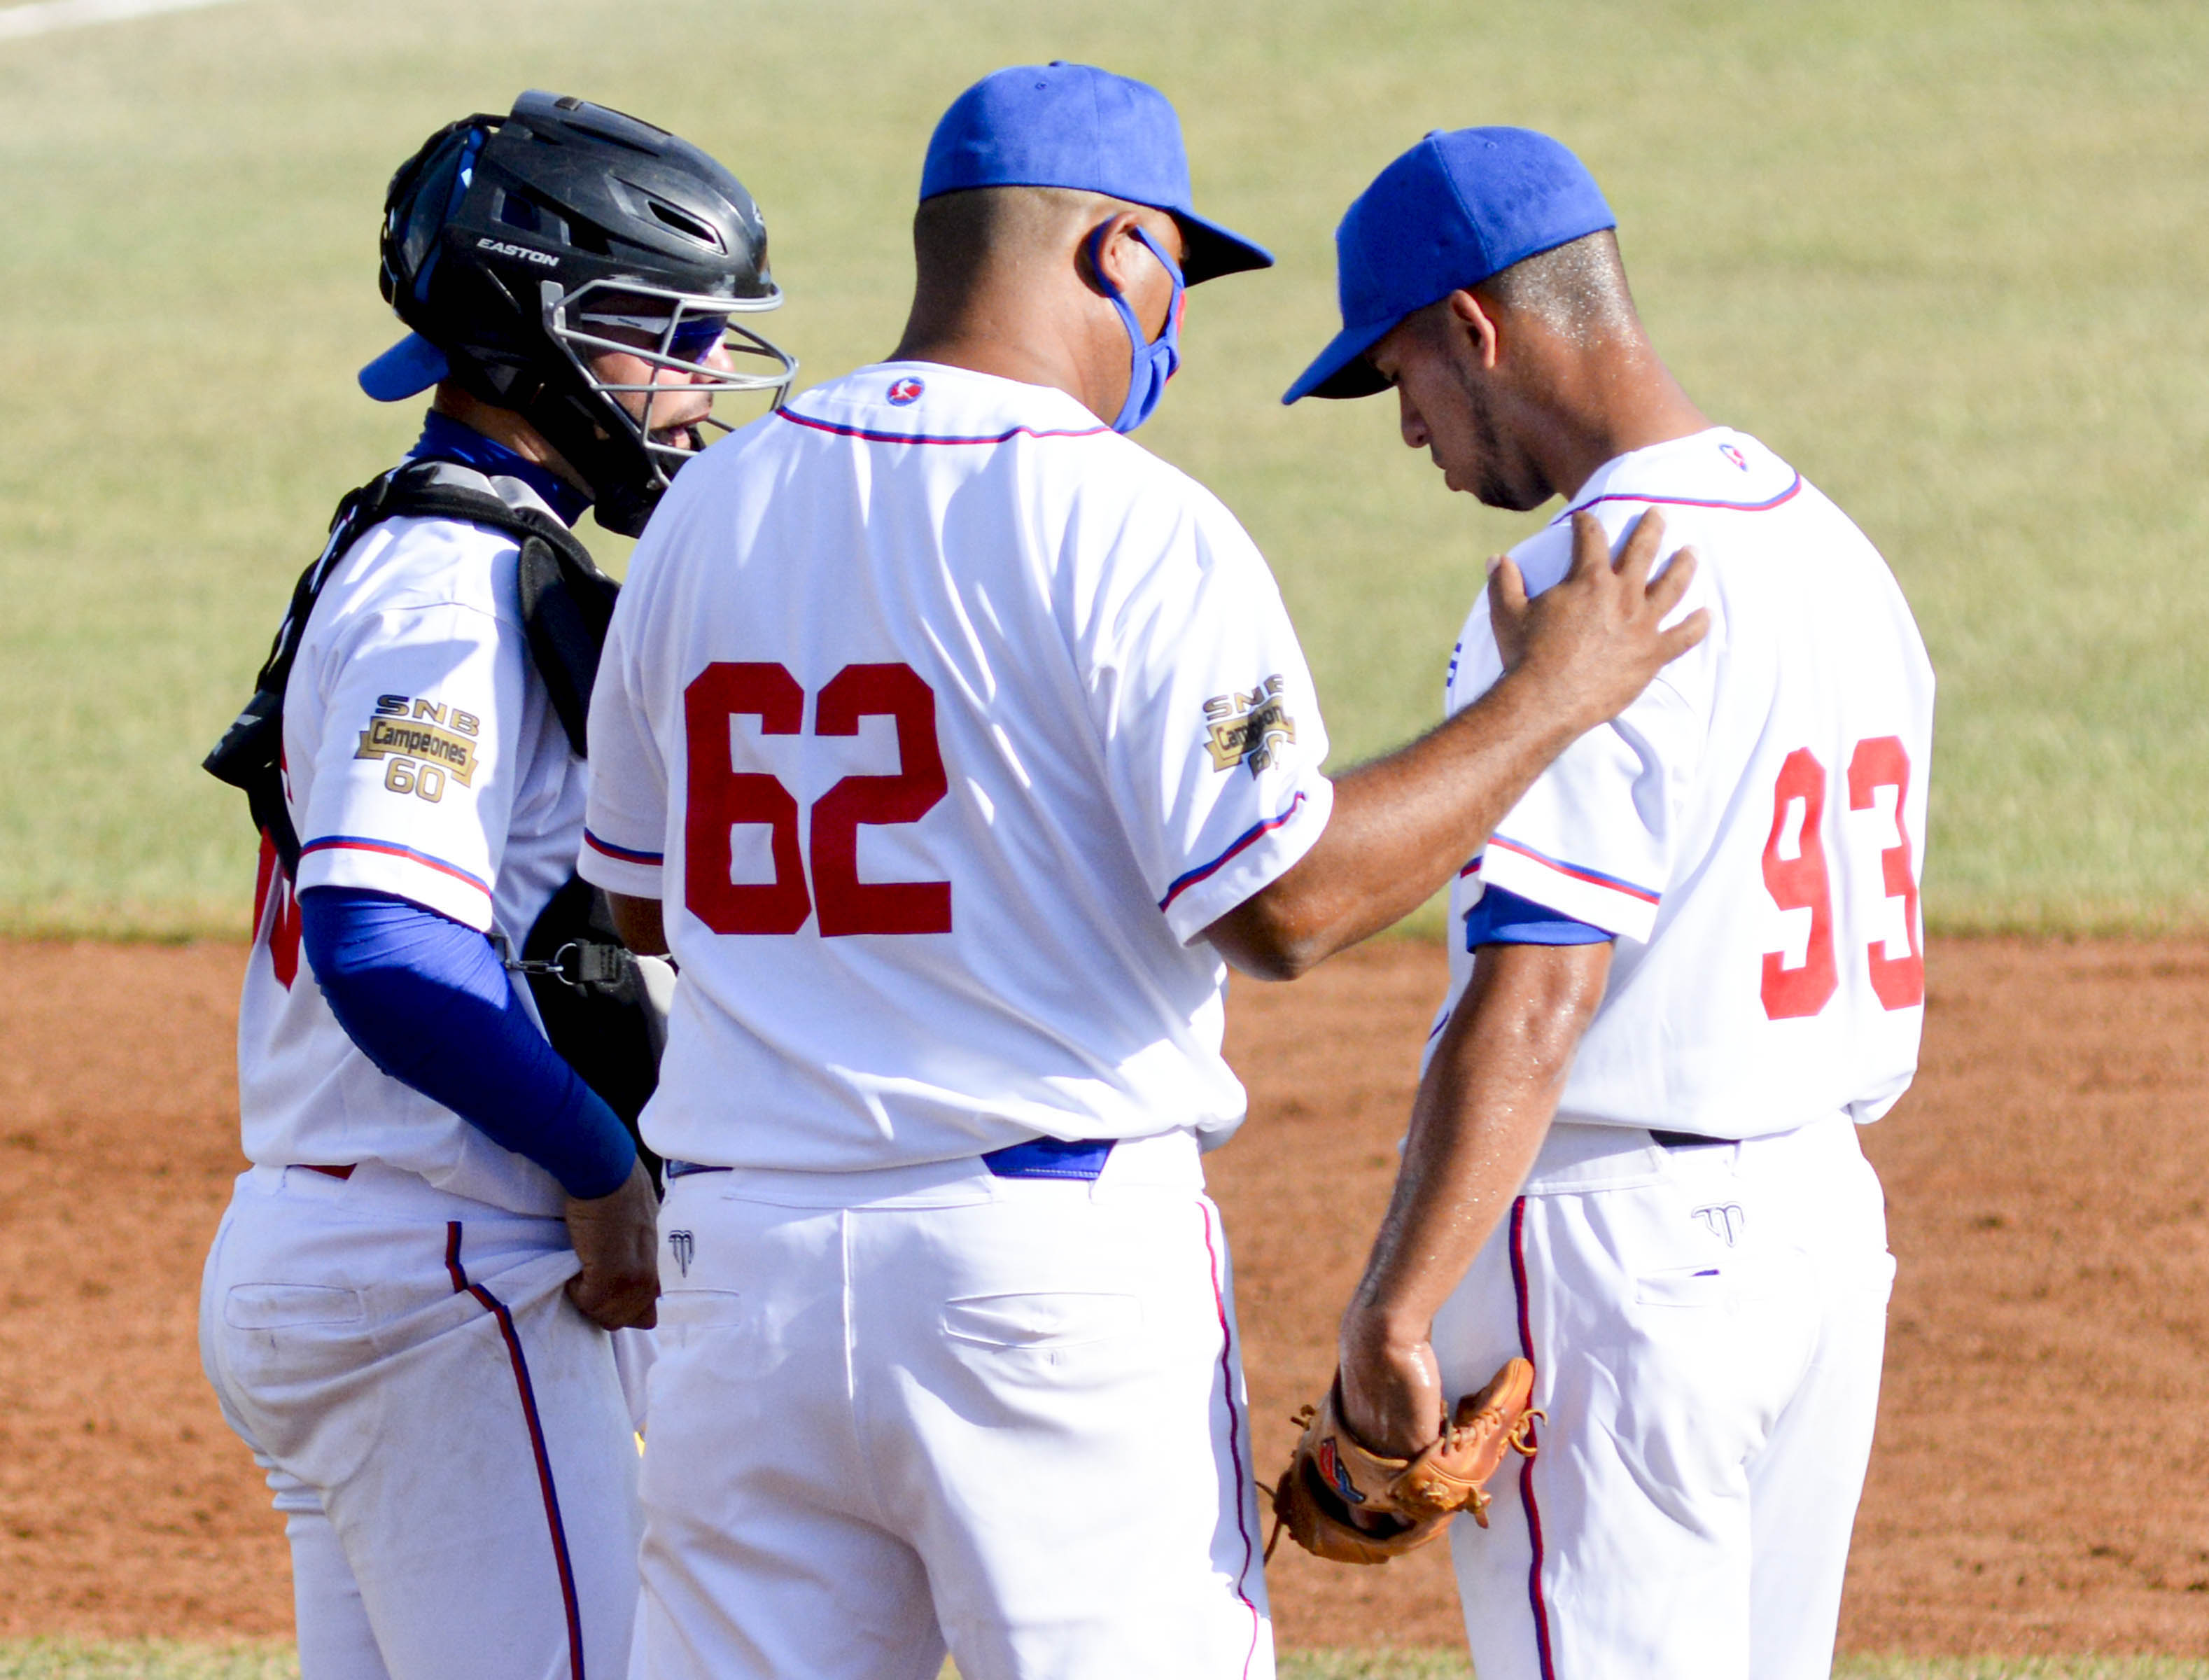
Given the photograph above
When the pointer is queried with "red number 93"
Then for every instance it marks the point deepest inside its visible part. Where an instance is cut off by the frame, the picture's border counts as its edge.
(1801, 882)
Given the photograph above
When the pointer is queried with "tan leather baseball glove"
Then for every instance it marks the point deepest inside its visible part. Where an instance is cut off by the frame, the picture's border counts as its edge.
(1349, 1505)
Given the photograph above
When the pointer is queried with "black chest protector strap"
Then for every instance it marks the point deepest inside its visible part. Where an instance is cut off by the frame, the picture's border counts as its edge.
(566, 604)
(596, 1015)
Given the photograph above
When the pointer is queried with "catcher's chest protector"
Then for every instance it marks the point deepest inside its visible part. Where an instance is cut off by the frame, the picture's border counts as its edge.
(566, 603)
(586, 988)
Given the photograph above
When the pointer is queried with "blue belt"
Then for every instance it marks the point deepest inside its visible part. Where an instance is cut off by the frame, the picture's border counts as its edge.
(684, 1169)
(1039, 1158)
(1050, 1158)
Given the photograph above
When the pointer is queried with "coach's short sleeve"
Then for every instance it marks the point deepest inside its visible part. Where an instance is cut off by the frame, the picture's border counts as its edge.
(1211, 733)
(419, 748)
(625, 823)
(1593, 838)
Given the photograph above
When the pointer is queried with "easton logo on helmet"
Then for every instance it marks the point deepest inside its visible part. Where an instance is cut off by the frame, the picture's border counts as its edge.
(500, 248)
(906, 392)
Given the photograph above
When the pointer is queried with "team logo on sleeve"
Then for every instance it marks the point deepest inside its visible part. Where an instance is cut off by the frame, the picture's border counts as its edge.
(1248, 728)
(1734, 455)
(423, 741)
(904, 392)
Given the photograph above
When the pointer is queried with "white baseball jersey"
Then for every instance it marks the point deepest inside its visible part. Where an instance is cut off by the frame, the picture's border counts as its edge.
(943, 718)
(421, 759)
(1751, 827)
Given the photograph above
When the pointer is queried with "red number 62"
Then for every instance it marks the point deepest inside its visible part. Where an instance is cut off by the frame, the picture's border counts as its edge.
(720, 798)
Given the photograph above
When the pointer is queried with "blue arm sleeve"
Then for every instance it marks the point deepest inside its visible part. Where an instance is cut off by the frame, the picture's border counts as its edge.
(1505, 918)
(390, 968)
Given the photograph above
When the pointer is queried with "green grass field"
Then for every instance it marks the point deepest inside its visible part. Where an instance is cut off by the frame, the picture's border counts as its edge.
(162, 1659)
(1943, 254)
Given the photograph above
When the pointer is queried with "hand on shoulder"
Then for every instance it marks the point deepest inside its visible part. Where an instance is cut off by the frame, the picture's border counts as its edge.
(1593, 641)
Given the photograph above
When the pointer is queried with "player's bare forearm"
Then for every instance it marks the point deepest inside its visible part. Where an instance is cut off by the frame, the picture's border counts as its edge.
(1404, 825)
(640, 923)
(1401, 828)
(1481, 1112)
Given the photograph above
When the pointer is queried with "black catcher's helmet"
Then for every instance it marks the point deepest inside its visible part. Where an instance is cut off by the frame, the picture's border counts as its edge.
(521, 247)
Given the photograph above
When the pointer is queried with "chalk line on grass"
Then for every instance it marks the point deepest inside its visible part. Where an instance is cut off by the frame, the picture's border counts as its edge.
(46, 16)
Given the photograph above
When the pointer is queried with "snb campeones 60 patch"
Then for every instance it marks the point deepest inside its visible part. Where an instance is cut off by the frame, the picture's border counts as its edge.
(403, 727)
(1247, 728)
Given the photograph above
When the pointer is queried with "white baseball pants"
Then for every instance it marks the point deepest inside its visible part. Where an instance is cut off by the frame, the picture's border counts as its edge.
(1707, 1326)
(901, 1410)
(445, 1433)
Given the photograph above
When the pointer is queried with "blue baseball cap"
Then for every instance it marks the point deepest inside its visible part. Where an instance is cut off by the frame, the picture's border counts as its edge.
(1453, 210)
(409, 368)
(1075, 126)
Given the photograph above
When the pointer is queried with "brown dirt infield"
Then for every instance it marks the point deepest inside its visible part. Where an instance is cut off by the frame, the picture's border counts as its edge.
(2041, 1481)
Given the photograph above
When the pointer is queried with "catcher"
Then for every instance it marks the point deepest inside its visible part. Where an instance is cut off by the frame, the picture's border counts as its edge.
(423, 1302)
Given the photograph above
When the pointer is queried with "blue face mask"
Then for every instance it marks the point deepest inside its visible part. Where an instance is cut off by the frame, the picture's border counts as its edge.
(1150, 365)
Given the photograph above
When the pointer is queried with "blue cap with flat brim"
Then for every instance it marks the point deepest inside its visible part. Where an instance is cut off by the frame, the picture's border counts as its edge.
(1455, 209)
(409, 368)
(1087, 129)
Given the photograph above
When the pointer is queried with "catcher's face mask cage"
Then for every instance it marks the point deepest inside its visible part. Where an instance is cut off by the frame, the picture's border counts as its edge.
(529, 248)
(693, 335)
